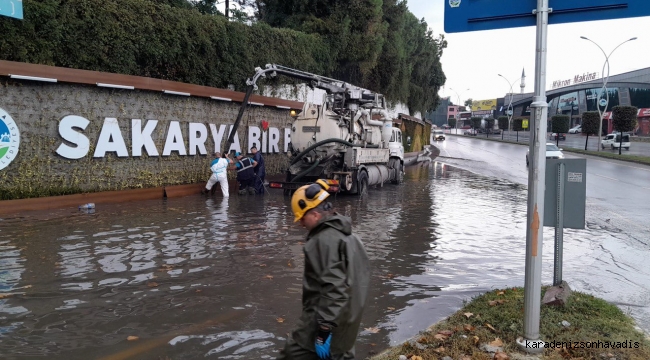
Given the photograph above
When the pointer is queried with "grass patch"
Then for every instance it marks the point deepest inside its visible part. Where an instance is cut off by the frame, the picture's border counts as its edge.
(631, 158)
(498, 316)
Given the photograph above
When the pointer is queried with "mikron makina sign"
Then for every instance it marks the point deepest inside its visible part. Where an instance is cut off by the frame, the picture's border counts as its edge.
(576, 80)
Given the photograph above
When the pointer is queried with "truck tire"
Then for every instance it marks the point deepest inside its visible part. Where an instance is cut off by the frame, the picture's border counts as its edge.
(397, 165)
(362, 180)
(399, 175)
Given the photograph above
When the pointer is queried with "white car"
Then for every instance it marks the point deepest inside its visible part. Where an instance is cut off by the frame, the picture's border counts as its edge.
(437, 135)
(552, 152)
(575, 130)
(613, 140)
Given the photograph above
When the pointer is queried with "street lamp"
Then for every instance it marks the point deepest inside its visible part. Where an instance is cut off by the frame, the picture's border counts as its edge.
(604, 89)
(458, 97)
(509, 108)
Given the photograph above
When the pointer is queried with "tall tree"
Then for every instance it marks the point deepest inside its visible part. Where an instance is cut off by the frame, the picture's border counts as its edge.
(559, 125)
(624, 119)
(468, 102)
(590, 122)
(503, 125)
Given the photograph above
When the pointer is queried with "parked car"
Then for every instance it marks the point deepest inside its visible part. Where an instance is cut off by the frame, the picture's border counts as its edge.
(470, 132)
(613, 140)
(555, 135)
(438, 135)
(496, 132)
(575, 129)
(552, 152)
(446, 126)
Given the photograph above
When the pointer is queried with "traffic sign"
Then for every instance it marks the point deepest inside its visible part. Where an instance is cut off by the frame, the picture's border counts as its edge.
(475, 15)
(12, 8)
(602, 102)
(524, 124)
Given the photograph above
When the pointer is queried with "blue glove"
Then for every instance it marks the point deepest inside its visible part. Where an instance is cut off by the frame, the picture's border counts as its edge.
(323, 341)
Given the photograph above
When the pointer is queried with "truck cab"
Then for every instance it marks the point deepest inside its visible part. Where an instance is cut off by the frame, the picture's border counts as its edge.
(395, 144)
(614, 141)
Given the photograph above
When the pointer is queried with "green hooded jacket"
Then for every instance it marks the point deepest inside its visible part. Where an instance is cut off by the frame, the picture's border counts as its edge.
(335, 284)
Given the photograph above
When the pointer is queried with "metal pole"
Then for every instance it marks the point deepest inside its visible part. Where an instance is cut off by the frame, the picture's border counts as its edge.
(559, 226)
(605, 80)
(536, 177)
(509, 108)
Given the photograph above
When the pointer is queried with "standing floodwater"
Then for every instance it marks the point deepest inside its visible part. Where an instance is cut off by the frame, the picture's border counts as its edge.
(201, 277)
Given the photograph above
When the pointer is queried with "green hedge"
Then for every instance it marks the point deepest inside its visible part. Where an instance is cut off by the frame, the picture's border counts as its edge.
(374, 44)
(139, 37)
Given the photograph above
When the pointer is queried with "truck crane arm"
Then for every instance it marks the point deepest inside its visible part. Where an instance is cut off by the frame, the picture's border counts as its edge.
(353, 95)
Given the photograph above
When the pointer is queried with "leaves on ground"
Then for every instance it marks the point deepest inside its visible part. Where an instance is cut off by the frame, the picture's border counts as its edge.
(490, 327)
(132, 338)
(468, 314)
(152, 284)
(440, 337)
(500, 356)
(391, 308)
(468, 328)
(270, 277)
(497, 343)
(280, 320)
(373, 330)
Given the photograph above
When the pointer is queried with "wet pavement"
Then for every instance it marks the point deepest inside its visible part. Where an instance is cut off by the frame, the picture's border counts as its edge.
(202, 277)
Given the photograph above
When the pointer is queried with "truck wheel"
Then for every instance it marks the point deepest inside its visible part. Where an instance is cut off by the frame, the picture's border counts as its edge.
(363, 183)
(399, 172)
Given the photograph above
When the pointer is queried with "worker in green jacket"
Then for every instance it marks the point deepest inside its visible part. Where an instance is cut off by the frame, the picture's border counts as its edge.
(335, 280)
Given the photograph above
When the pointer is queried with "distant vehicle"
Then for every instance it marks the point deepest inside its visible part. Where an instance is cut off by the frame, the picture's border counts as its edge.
(552, 152)
(555, 135)
(614, 141)
(470, 132)
(446, 126)
(575, 129)
(438, 135)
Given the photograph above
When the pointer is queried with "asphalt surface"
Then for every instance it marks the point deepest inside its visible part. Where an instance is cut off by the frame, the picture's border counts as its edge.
(619, 190)
(576, 141)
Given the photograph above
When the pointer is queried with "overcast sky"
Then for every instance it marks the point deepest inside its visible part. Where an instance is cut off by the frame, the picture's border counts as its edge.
(473, 59)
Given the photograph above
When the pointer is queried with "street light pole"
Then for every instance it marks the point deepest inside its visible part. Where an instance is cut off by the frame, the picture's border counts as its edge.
(604, 89)
(509, 108)
(457, 97)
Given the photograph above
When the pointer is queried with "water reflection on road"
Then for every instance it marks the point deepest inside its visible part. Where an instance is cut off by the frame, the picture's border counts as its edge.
(195, 277)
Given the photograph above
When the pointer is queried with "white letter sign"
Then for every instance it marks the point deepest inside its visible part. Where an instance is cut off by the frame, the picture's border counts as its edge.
(66, 130)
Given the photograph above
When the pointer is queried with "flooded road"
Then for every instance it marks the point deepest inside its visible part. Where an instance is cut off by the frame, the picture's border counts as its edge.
(201, 277)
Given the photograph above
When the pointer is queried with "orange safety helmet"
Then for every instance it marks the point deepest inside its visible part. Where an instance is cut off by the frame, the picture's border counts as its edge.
(308, 197)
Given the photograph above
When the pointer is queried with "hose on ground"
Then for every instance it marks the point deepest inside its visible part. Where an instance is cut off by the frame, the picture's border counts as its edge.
(307, 150)
(303, 173)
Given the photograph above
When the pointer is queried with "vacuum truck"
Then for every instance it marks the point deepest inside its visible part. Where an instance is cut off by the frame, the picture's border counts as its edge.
(348, 140)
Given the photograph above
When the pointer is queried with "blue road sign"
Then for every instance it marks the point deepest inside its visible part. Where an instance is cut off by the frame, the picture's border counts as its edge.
(475, 15)
(12, 8)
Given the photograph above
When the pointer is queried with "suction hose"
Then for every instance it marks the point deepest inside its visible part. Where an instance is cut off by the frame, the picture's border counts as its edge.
(303, 173)
(307, 150)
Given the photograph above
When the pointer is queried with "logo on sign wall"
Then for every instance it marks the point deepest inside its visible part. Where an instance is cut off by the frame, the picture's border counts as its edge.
(9, 139)
(602, 102)
(454, 3)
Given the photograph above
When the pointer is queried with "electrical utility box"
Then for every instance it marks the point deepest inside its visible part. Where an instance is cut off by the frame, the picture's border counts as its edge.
(566, 192)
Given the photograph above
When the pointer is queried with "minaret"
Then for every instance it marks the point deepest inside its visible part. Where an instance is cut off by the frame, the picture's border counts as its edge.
(522, 84)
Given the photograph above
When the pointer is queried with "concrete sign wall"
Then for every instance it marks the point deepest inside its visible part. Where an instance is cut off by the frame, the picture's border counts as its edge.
(78, 138)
